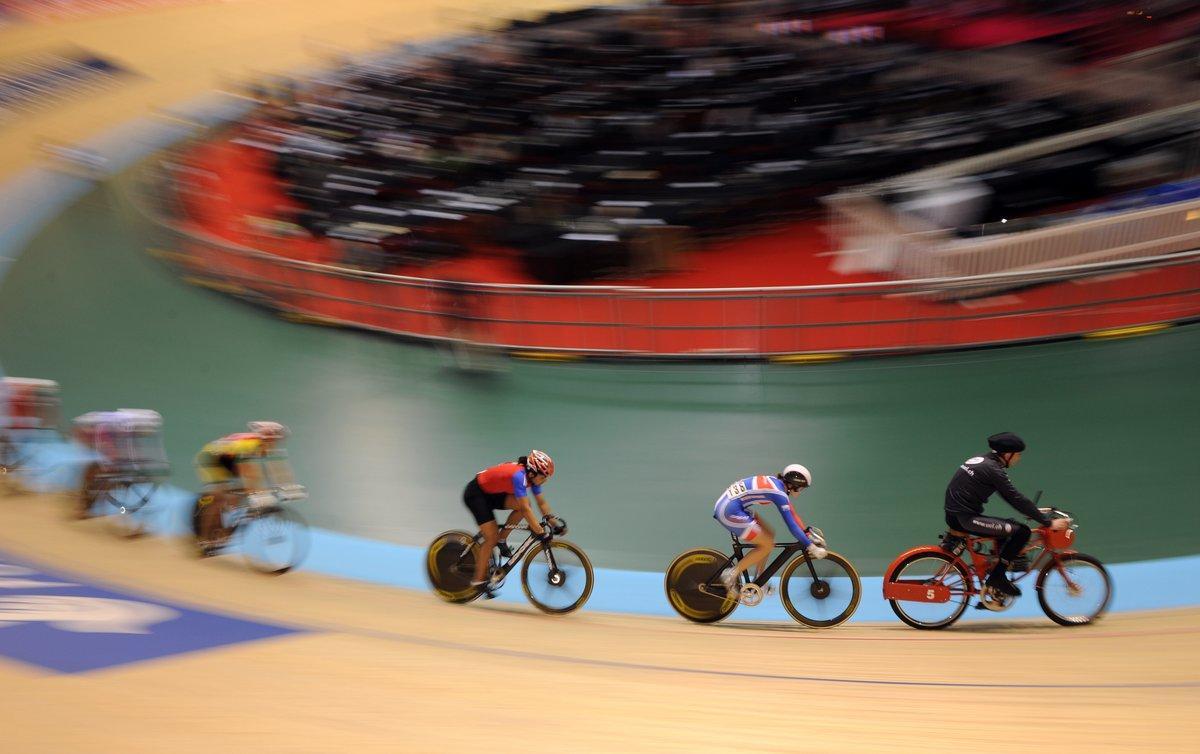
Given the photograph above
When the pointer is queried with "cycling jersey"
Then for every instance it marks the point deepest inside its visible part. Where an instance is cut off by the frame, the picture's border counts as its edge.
(975, 481)
(217, 461)
(506, 478)
(730, 509)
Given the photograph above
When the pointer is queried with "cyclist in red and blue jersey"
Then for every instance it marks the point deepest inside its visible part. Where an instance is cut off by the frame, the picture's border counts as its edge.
(506, 486)
(732, 512)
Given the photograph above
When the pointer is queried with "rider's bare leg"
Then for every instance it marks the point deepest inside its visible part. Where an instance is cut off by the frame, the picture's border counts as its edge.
(483, 552)
(762, 548)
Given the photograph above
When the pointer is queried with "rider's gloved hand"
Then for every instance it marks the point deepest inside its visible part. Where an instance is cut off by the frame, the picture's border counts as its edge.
(815, 536)
(816, 552)
(558, 526)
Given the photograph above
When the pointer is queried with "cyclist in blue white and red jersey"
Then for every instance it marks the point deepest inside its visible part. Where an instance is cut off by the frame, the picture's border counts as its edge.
(506, 486)
(732, 512)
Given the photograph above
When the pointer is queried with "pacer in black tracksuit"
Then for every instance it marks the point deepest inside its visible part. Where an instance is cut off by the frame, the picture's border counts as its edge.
(969, 489)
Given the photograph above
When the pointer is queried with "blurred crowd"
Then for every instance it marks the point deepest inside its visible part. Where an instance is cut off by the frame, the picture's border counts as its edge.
(604, 139)
(572, 140)
(1144, 167)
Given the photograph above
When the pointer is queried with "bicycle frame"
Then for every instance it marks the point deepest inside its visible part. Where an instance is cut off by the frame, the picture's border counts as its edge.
(977, 565)
(788, 549)
(506, 567)
(980, 564)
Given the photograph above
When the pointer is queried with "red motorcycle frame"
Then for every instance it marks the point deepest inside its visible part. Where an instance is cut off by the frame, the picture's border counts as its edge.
(957, 578)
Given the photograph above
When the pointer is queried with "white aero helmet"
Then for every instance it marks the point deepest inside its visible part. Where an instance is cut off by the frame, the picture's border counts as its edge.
(796, 475)
(140, 419)
(268, 430)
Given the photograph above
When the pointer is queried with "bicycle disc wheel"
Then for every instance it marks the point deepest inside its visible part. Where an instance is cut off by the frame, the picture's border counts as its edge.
(274, 541)
(557, 578)
(1074, 590)
(691, 572)
(824, 602)
(929, 568)
(450, 564)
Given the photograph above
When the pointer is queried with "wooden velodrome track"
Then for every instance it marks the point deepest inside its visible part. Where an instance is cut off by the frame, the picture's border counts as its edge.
(380, 669)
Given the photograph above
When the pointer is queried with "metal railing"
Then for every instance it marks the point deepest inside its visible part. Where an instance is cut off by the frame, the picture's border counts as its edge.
(909, 315)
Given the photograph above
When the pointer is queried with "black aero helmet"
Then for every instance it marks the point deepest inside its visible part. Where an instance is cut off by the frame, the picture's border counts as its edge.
(1006, 442)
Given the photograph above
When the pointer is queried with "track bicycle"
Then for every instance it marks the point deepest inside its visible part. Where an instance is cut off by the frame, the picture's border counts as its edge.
(271, 536)
(818, 593)
(127, 487)
(556, 575)
(929, 587)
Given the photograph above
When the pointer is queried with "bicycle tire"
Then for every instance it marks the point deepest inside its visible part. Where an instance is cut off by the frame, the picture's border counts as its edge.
(11, 457)
(1056, 616)
(958, 567)
(137, 494)
(683, 579)
(127, 523)
(449, 563)
(831, 559)
(291, 531)
(91, 489)
(556, 573)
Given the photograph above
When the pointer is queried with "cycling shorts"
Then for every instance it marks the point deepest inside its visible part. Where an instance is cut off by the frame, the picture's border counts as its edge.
(737, 520)
(482, 504)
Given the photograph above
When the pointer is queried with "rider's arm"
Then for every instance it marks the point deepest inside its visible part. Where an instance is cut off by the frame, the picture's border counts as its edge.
(527, 510)
(521, 500)
(543, 506)
(278, 469)
(250, 474)
(790, 517)
(1013, 497)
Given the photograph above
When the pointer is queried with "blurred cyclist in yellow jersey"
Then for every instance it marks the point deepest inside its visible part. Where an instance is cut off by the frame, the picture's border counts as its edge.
(241, 465)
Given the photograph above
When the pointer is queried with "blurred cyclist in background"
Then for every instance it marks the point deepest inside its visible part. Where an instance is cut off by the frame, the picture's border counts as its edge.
(241, 465)
(971, 486)
(506, 486)
(732, 513)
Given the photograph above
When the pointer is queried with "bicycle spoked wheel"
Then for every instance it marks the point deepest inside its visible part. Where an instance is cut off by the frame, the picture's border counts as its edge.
(130, 497)
(930, 569)
(1075, 590)
(825, 601)
(558, 577)
(694, 588)
(274, 541)
(450, 564)
(128, 507)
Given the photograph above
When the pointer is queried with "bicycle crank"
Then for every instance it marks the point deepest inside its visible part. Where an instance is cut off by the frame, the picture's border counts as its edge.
(751, 595)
